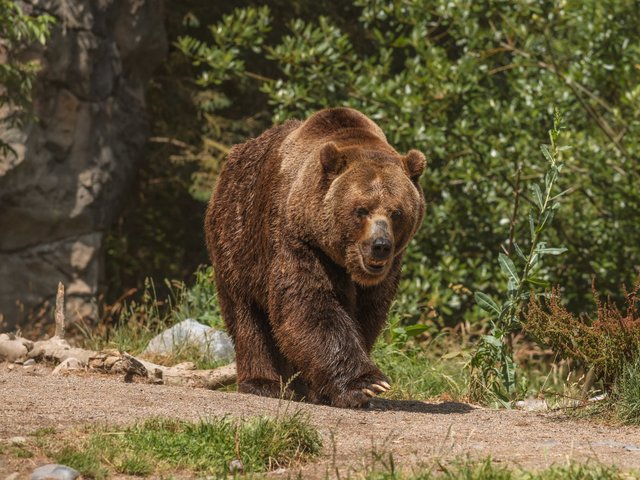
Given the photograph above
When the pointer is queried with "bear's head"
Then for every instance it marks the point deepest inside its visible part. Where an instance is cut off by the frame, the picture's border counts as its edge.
(372, 207)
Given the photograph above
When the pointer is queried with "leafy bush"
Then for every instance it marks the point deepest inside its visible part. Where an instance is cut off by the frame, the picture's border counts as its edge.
(471, 83)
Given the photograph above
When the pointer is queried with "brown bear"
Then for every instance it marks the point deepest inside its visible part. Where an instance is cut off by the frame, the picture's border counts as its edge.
(306, 230)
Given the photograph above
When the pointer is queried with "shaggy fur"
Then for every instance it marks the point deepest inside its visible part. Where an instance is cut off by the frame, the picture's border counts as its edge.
(290, 229)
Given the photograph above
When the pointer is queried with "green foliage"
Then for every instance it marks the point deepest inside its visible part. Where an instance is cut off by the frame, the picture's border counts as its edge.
(471, 83)
(384, 469)
(83, 460)
(627, 393)
(492, 363)
(207, 446)
(417, 369)
(18, 30)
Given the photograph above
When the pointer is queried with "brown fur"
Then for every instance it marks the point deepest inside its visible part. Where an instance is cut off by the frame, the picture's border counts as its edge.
(292, 247)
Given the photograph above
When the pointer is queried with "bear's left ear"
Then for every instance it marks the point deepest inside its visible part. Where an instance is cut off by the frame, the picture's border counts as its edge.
(332, 160)
(414, 162)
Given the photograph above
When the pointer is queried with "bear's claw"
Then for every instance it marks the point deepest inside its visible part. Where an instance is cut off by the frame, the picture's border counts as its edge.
(368, 392)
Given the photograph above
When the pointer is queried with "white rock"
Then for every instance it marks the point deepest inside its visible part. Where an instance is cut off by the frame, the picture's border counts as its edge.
(214, 345)
(12, 350)
(532, 405)
(17, 440)
(68, 364)
(54, 472)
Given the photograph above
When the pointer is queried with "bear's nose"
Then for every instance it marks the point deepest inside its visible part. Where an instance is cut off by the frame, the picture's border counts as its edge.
(381, 248)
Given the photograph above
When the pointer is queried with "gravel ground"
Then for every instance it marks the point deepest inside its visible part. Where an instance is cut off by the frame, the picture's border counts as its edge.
(415, 432)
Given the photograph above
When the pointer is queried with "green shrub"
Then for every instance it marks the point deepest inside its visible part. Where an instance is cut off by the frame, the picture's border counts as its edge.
(472, 84)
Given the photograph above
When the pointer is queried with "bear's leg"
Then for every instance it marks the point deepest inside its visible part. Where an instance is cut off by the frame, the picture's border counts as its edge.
(256, 355)
(317, 335)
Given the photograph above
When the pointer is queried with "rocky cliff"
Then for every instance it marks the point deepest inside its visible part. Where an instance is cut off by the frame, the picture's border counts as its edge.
(66, 183)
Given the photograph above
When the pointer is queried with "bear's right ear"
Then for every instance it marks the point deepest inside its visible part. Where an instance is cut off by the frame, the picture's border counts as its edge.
(414, 162)
(333, 161)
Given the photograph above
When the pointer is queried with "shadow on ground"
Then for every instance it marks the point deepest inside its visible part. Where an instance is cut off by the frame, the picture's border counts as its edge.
(414, 406)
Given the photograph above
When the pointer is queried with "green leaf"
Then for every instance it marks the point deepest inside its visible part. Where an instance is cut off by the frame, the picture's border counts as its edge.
(538, 282)
(508, 373)
(537, 193)
(508, 268)
(551, 251)
(486, 303)
(547, 153)
(532, 225)
(492, 341)
(519, 251)
(414, 330)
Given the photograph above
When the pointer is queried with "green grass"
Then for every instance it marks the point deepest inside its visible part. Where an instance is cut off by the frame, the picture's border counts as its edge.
(418, 374)
(627, 394)
(85, 460)
(43, 432)
(489, 470)
(207, 447)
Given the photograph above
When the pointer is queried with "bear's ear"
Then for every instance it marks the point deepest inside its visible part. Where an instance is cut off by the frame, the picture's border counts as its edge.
(414, 163)
(332, 159)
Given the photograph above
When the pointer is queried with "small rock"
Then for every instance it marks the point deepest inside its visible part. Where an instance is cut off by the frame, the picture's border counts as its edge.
(214, 345)
(235, 466)
(29, 362)
(186, 366)
(532, 405)
(54, 472)
(13, 476)
(632, 448)
(12, 350)
(17, 440)
(68, 364)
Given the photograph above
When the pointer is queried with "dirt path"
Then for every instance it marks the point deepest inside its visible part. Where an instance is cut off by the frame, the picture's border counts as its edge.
(414, 432)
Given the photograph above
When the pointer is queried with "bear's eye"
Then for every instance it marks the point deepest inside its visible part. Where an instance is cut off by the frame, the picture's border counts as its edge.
(362, 212)
(396, 215)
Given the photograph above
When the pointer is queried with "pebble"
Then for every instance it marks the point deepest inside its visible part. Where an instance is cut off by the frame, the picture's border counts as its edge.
(235, 466)
(54, 471)
(17, 440)
(29, 362)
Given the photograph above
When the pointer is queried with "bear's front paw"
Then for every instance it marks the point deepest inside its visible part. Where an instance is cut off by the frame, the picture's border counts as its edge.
(361, 390)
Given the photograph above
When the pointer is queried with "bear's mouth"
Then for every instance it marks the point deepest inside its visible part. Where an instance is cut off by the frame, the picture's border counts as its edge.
(373, 267)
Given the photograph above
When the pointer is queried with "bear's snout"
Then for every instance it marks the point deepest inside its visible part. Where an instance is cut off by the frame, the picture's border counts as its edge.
(381, 248)
(377, 248)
